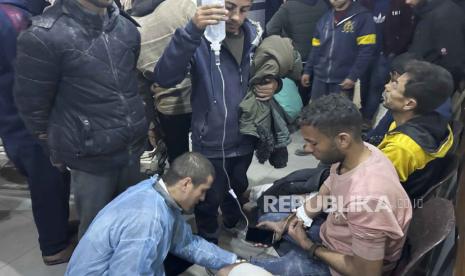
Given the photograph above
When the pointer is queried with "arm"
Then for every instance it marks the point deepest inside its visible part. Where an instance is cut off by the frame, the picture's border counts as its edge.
(312, 57)
(344, 264)
(8, 45)
(197, 250)
(315, 52)
(366, 43)
(349, 265)
(37, 77)
(173, 65)
(277, 23)
(312, 207)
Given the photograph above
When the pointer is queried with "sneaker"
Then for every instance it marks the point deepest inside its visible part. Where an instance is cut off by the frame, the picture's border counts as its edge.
(237, 230)
(301, 152)
(210, 271)
(61, 257)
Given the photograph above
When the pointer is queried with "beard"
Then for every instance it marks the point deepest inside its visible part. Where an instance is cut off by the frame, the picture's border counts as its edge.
(332, 156)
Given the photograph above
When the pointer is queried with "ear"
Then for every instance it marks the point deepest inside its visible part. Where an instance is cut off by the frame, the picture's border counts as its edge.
(343, 140)
(410, 105)
(185, 183)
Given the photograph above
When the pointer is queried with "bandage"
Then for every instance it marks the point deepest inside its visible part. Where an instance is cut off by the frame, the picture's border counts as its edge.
(302, 215)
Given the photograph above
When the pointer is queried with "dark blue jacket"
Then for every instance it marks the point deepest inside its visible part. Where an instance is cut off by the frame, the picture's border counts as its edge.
(14, 17)
(76, 80)
(189, 50)
(344, 50)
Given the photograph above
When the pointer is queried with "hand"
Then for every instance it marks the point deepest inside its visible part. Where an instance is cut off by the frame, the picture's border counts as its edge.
(347, 84)
(59, 165)
(209, 15)
(296, 231)
(305, 80)
(276, 226)
(264, 92)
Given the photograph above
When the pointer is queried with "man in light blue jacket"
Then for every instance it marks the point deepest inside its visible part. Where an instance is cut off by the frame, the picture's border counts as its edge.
(133, 234)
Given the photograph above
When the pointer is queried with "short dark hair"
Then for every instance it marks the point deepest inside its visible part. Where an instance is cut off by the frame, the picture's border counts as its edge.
(399, 63)
(331, 115)
(429, 84)
(190, 164)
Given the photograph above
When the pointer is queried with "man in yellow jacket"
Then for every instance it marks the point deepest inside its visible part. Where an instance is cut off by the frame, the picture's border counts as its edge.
(419, 136)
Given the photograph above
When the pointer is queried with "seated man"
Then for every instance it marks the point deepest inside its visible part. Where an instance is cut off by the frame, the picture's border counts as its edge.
(133, 234)
(398, 65)
(419, 135)
(366, 227)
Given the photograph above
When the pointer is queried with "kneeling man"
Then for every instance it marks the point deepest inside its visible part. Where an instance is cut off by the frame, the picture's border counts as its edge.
(133, 234)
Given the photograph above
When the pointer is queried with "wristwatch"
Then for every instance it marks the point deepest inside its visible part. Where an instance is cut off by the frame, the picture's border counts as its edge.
(311, 251)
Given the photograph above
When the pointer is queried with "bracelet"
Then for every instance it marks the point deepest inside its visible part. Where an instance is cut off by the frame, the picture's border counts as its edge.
(313, 248)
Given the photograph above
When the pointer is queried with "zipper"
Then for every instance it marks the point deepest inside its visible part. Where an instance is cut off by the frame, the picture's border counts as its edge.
(115, 76)
(106, 42)
(240, 74)
(331, 47)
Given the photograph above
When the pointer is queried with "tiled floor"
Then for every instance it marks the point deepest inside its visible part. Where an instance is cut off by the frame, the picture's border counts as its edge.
(19, 251)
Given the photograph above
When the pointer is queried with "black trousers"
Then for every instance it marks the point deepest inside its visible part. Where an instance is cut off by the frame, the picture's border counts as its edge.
(206, 212)
(174, 265)
(49, 190)
(176, 129)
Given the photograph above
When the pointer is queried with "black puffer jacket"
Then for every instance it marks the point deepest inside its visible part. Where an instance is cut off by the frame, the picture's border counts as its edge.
(440, 35)
(297, 19)
(76, 81)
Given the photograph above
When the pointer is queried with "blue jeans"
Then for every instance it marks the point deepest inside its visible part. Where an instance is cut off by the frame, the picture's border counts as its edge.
(372, 86)
(293, 260)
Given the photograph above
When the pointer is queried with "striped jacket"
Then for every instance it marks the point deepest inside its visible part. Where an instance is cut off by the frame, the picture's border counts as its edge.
(344, 49)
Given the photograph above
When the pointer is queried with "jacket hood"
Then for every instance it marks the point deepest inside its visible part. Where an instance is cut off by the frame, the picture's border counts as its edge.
(168, 199)
(430, 131)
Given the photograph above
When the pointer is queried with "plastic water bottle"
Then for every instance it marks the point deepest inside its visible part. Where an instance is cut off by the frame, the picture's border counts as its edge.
(215, 33)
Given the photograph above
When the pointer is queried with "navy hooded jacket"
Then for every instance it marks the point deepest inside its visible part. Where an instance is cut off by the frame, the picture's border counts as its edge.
(190, 51)
(342, 50)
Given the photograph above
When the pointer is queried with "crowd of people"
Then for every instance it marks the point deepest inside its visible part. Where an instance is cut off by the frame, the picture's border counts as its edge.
(84, 82)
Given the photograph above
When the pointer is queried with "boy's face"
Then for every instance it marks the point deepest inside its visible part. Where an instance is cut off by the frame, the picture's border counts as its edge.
(340, 5)
(238, 10)
(412, 3)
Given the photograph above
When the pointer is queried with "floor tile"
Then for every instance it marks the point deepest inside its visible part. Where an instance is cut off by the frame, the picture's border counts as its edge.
(31, 264)
(17, 236)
